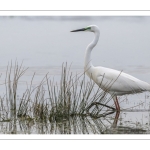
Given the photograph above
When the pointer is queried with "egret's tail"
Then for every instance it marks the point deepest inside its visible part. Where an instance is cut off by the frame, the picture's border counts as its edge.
(149, 88)
(146, 87)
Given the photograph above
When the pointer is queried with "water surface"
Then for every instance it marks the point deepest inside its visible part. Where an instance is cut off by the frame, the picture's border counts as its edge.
(44, 43)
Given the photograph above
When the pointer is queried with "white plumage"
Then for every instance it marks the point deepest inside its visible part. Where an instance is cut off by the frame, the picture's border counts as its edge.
(114, 82)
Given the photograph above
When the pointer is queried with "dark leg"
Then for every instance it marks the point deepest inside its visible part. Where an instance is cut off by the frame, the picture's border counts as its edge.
(116, 119)
(116, 103)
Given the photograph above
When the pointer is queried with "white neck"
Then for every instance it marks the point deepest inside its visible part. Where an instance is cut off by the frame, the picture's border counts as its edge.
(88, 63)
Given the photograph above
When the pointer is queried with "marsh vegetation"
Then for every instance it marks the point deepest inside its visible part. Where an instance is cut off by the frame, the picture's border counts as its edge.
(72, 106)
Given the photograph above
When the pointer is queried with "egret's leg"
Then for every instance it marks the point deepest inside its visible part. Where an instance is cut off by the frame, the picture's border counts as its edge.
(116, 103)
(114, 125)
(114, 98)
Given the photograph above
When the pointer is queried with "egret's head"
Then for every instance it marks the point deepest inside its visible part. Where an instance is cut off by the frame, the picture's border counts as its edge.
(91, 28)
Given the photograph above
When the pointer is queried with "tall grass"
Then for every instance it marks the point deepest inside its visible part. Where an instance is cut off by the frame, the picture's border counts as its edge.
(73, 96)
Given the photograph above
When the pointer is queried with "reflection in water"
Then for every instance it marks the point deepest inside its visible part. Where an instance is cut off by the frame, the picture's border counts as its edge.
(116, 129)
(74, 125)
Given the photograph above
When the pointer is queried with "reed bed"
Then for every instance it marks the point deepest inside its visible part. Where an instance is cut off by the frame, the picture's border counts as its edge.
(75, 105)
(51, 101)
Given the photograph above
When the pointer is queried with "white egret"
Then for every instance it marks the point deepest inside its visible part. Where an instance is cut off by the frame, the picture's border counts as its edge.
(112, 81)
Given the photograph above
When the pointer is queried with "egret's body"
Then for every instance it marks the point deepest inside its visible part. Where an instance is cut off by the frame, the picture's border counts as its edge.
(114, 82)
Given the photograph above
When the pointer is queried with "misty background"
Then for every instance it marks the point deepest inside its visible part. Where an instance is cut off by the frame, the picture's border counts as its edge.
(43, 43)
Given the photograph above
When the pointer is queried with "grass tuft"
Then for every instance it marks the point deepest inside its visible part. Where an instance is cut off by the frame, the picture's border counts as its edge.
(50, 101)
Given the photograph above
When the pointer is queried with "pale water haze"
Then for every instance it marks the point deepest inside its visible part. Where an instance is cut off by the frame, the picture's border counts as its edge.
(48, 42)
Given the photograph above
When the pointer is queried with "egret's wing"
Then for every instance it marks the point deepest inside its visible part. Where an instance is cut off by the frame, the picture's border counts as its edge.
(120, 82)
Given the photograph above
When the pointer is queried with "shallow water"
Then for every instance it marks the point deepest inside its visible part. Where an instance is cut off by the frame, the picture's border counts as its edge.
(110, 124)
(44, 43)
